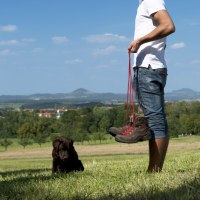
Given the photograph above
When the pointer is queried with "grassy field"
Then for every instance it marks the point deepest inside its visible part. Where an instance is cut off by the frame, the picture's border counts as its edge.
(112, 171)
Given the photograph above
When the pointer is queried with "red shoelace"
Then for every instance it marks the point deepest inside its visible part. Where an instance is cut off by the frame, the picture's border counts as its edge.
(130, 114)
(128, 130)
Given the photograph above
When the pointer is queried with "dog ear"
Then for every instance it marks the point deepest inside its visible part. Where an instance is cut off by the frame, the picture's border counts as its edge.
(68, 142)
(56, 144)
(71, 142)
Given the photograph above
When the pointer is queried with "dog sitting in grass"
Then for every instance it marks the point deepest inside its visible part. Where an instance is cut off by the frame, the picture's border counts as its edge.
(65, 157)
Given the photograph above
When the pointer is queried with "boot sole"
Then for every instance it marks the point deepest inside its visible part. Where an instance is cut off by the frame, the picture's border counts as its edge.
(137, 139)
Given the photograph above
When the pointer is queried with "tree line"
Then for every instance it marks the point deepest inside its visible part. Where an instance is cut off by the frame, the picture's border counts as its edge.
(88, 123)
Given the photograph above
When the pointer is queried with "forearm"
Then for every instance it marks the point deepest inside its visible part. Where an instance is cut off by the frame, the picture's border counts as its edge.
(159, 32)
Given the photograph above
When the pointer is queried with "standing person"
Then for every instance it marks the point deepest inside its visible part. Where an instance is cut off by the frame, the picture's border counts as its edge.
(152, 25)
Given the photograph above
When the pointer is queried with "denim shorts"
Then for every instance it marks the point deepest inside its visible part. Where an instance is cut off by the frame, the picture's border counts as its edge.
(149, 86)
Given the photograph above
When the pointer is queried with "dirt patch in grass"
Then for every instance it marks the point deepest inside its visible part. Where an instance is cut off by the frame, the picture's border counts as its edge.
(103, 149)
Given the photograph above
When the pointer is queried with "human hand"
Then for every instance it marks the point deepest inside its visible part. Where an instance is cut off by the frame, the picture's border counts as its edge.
(134, 46)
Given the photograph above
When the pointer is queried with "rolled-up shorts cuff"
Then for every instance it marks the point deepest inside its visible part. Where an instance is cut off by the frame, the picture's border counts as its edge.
(159, 134)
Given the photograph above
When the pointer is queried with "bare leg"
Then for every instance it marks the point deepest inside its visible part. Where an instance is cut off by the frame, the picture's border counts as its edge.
(157, 152)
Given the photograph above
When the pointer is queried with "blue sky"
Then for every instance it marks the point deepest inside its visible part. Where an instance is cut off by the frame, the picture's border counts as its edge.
(52, 46)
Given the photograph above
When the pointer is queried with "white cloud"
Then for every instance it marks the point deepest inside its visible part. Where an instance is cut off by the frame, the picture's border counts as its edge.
(106, 38)
(6, 52)
(9, 43)
(37, 50)
(8, 28)
(59, 39)
(178, 45)
(195, 62)
(14, 42)
(74, 61)
(106, 51)
(28, 40)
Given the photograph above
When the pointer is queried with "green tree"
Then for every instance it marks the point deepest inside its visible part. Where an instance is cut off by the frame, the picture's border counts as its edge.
(25, 134)
(11, 122)
(104, 123)
(5, 142)
(41, 131)
(187, 124)
(120, 118)
(98, 113)
(99, 136)
(173, 125)
(183, 117)
(69, 120)
(197, 125)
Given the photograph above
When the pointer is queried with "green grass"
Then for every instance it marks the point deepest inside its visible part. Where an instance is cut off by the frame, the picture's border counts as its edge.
(112, 177)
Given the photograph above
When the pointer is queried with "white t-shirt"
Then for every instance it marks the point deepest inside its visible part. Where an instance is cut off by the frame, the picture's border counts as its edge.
(150, 53)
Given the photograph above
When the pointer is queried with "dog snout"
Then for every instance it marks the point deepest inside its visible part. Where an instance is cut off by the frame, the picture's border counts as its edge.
(63, 154)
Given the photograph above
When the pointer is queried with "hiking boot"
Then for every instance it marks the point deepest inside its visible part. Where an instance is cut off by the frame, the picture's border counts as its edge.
(141, 121)
(136, 135)
(121, 130)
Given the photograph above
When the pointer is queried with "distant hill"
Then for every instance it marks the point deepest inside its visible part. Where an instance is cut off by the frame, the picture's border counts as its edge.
(182, 94)
(84, 95)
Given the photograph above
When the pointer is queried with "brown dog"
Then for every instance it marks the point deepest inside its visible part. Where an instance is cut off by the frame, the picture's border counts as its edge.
(65, 158)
